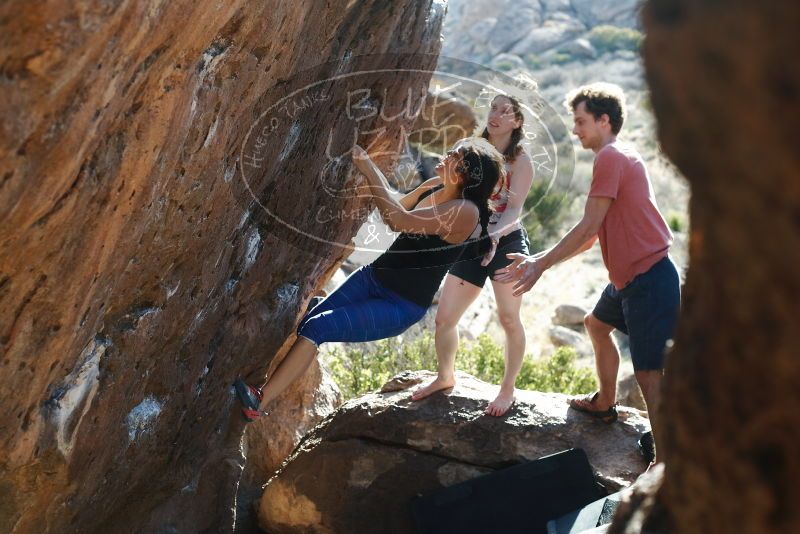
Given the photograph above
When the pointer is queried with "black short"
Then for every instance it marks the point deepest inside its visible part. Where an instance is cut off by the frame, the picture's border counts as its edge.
(472, 271)
(647, 310)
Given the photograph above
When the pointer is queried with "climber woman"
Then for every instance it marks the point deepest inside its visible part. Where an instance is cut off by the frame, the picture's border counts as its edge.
(467, 277)
(437, 221)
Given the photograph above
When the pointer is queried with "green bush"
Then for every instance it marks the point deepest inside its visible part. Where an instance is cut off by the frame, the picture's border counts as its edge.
(676, 222)
(558, 374)
(560, 58)
(543, 214)
(362, 369)
(366, 368)
(532, 61)
(611, 38)
(485, 360)
(504, 66)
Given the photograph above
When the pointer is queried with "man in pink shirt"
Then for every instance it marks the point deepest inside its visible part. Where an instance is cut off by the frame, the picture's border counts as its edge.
(643, 298)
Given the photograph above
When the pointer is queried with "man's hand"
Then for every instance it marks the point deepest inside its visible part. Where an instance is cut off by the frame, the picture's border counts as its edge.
(524, 270)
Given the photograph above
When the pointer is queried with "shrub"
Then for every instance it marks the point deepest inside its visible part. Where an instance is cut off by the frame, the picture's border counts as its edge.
(504, 66)
(485, 360)
(611, 38)
(676, 222)
(550, 77)
(367, 367)
(543, 214)
(532, 61)
(558, 374)
(364, 368)
(560, 58)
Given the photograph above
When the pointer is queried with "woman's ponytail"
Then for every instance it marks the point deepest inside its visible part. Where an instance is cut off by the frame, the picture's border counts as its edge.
(482, 168)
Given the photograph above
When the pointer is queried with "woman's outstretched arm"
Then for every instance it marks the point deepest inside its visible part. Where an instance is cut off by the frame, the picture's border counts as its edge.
(454, 217)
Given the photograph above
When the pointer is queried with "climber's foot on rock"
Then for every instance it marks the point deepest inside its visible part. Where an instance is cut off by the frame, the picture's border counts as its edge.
(250, 398)
(437, 384)
(501, 404)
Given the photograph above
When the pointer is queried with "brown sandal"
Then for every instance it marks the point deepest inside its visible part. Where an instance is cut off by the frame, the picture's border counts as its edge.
(606, 416)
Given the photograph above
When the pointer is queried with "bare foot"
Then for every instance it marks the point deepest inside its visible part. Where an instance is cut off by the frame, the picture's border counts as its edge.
(500, 405)
(437, 384)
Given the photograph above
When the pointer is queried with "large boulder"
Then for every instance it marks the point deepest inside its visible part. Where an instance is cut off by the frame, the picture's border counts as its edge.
(507, 62)
(149, 215)
(444, 119)
(270, 440)
(569, 315)
(357, 471)
(513, 23)
(617, 12)
(730, 424)
(551, 6)
(478, 30)
(580, 48)
(628, 391)
(550, 34)
(561, 336)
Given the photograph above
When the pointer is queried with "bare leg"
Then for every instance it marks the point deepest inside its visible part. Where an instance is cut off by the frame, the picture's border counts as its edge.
(606, 358)
(508, 307)
(291, 367)
(457, 295)
(650, 384)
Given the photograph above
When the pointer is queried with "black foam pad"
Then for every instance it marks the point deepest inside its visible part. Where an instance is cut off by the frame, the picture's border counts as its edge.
(522, 498)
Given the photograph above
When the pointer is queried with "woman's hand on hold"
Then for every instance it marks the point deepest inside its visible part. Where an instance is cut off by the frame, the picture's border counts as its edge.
(360, 156)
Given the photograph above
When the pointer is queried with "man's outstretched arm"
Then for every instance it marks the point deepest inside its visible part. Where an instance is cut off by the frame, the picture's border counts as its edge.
(582, 233)
(526, 270)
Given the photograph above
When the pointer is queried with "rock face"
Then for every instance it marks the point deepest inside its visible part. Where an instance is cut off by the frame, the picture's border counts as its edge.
(445, 119)
(549, 35)
(357, 472)
(269, 441)
(561, 336)
(628, 391)
(143, 258)
(620, 12)
(307, 402)
(569, 315)
(731, 426)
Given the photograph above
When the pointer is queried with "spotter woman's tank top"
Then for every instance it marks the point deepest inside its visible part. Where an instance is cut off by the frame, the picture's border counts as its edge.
(415, 264)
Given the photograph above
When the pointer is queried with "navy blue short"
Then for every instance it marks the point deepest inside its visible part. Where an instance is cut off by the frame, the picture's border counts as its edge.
(471, 270)
(647, 310)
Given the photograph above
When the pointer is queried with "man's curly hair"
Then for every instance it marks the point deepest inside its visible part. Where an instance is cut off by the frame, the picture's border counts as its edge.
(601, 98)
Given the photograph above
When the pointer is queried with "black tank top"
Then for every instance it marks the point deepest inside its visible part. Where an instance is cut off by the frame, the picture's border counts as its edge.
(415, 264)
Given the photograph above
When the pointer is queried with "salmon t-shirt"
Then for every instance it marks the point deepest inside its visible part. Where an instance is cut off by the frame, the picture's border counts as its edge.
(634, 235)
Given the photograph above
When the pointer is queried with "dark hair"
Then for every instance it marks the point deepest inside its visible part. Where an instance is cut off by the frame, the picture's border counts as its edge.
(513, 149)
(481, 167)
(601, 98)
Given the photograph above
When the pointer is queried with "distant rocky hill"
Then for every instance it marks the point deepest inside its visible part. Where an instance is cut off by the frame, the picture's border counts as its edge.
(481, 30)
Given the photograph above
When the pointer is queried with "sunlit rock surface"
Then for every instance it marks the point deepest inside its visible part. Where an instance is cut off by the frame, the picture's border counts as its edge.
(358, 471)
(160, 234)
